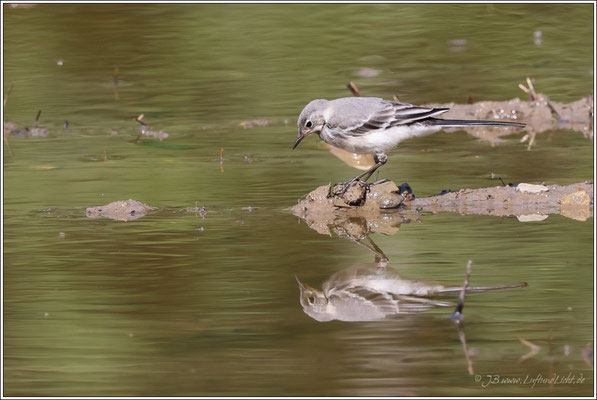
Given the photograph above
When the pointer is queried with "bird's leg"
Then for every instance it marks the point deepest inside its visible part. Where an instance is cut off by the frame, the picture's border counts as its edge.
(379, 158)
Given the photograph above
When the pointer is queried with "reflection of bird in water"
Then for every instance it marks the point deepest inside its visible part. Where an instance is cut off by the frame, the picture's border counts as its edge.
(373, 291)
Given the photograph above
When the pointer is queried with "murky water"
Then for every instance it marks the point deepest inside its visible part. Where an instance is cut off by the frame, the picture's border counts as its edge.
(176, 303)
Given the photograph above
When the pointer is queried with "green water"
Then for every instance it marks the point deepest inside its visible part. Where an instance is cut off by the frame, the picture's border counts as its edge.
(178, 304)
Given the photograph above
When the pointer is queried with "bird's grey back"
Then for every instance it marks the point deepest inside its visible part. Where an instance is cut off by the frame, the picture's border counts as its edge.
(351, 112)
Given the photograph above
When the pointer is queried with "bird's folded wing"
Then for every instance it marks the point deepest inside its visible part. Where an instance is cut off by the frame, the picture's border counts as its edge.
(377, 115)
(405, 113)
(386, 302)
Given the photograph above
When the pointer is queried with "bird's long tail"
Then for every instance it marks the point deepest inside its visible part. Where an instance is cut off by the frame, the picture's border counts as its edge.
(455, 123)
(481, 289)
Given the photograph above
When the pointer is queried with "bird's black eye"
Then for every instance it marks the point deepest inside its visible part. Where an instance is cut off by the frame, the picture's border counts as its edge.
(309, 124)
(311, 299)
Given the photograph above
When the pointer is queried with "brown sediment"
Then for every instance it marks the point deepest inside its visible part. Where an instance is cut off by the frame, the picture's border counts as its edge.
(381, 206)
(12, 129)
(573, 201)
(124, 210)
(357, 212)
(254, 123)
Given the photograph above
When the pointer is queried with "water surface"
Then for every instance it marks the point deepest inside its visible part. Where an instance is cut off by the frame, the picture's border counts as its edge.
(179, 304)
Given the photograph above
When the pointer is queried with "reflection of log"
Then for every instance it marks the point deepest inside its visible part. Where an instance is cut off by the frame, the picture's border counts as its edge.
(380, 207)
(540, 115)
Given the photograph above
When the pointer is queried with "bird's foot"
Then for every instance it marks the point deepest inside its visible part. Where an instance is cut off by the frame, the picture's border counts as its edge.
(340, 188)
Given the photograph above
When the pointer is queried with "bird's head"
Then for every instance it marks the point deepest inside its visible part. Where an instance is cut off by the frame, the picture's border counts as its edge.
(314, 302)
(311, 120)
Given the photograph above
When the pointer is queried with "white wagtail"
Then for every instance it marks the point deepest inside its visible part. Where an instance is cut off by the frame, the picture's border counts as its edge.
(373, 291)
(370, 125)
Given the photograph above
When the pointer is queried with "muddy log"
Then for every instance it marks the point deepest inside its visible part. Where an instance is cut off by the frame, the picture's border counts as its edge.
(527, 202)
(382, 206)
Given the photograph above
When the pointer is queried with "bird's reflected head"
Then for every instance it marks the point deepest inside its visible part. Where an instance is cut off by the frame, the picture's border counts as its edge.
(314, 301)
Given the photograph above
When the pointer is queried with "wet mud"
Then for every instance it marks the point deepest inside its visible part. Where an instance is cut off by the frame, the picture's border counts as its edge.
(527, 202)
(124, 210)
(382, 206)
(361, 210)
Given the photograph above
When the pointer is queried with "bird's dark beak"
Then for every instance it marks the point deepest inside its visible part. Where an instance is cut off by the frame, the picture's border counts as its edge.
(298, 140)
(301, 285)
(300, 137)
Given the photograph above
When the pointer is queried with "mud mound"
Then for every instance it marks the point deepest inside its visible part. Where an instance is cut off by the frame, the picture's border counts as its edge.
(124, 210)
(360, 210)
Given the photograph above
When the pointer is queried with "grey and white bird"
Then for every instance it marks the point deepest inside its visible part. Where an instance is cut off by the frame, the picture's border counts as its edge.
(373, 291)
(371, 125)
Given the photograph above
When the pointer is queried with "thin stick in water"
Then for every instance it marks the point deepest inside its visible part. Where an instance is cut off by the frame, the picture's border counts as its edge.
(7, 94)
(222, 160)
(354, 89)
(5, 135)
(115, 76)
(37, 118)
(457, 316)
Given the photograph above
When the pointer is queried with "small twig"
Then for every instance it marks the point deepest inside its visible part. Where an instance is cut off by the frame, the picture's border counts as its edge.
(587, 354)
(530, 90)
(222, 160)
(354, 89)
(37, 118)
(555, 113)
(531, 86)
(7, 144)
(115, 76)
(467, 356)
(7, 94)
(534, 349)
(105, 156)
(5, 133)
(139, 119)
(457, 316)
